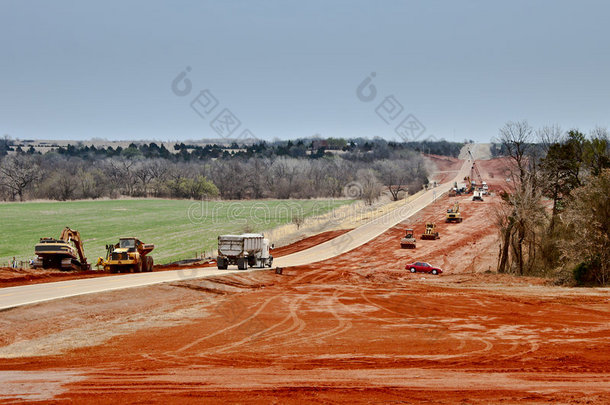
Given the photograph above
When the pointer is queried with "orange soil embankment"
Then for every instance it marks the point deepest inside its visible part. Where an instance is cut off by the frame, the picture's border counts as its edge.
(357, 328)
(13, 277)
(443, 168)
(496, 172)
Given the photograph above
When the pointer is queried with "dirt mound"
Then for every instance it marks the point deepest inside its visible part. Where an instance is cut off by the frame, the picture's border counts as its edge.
(307, 242)
(10, 277)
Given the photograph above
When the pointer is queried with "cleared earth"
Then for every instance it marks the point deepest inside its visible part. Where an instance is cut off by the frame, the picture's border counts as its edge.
(356, 328)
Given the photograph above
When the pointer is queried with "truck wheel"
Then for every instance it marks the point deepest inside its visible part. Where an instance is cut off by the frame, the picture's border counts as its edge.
(242, 264)
(151, 264)
(220, 263)
(270, 263)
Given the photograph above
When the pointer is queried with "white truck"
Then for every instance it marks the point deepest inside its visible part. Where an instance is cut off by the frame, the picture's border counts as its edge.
(478, 195)
(248, 249)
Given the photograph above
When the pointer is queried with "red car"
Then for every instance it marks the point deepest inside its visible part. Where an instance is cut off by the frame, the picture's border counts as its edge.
(423, 267)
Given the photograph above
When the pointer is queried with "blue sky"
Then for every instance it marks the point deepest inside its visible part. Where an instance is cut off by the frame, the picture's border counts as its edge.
(288, 69)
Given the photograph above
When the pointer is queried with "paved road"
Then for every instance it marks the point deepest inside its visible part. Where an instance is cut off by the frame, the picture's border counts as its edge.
(29, 294)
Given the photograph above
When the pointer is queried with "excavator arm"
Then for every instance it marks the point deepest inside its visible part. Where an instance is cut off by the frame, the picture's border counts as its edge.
(68, 235)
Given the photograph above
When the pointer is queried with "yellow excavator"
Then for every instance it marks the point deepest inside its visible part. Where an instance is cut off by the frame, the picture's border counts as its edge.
(453, 213)
(65, 253)
(130, 255)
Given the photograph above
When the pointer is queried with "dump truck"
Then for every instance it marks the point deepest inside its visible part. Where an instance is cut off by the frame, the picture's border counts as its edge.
(130, 255)
(453, 213)
(430, 232)
(65, 253)
(409, 241)
(248, 249)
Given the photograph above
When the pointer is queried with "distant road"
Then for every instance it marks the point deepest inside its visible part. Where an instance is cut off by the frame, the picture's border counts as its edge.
(30, 294)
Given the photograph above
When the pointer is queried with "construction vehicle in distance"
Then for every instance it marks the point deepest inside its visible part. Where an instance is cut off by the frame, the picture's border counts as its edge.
(130, 255)
(478, 195)
(430, 232)
(409, 241)
(248, 249)
(453, 213)
(474, 170)
(65, 253)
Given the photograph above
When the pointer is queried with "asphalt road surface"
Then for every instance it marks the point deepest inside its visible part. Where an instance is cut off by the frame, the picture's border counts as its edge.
(30, 294)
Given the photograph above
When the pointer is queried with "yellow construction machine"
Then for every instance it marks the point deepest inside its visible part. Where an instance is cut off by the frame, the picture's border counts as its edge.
(453, 213)
(130, 255)
(430, 232)
(65, 253)
(408, 242)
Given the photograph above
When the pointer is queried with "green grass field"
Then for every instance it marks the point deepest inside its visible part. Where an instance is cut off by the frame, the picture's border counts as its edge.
(179, 229)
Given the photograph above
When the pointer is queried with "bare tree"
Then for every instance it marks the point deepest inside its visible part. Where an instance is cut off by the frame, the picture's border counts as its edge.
(18, 173)
(371, 187)
(549, 135)
(395, 176)
(120, 172)
(516, 137)
(142, 171)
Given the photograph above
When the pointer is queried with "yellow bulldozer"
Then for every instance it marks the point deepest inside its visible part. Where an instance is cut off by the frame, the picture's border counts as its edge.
(430, 232)
(130, 255)
(65, 253)
(453, 213)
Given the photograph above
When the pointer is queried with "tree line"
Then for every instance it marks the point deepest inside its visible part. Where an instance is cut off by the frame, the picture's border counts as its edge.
(278, 170)
(555, 218)
(313, 148)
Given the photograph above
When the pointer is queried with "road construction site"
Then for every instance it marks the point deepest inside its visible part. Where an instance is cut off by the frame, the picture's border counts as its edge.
(349, 326)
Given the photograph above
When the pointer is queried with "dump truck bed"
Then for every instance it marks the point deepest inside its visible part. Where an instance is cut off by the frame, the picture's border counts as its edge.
(236, 245)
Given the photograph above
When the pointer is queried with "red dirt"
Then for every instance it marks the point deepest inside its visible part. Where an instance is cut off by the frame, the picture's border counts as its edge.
(496, 172)
(13, 277)
(357, 328)
(446, 167)
(308, 242)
